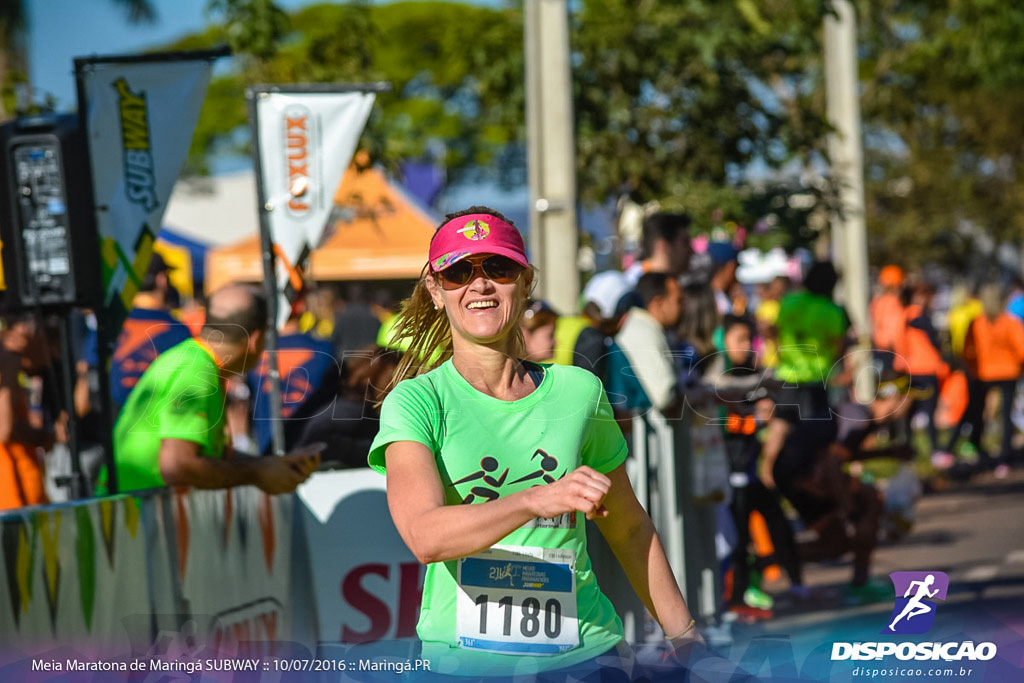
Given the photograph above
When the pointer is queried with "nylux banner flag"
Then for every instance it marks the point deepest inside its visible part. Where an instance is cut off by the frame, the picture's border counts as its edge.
(306, 141)
(140, 117)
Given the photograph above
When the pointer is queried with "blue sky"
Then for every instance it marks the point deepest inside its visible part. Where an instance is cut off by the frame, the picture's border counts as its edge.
(60, 30)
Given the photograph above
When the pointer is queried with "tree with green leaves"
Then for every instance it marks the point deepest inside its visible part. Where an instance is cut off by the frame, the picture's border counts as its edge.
(700, 104)
(944, 154)
(456, 72)
(673, 101)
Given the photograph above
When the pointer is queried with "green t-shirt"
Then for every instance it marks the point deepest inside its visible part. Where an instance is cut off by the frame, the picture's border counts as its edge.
(512, 604)
(178, 397)
(811, 328)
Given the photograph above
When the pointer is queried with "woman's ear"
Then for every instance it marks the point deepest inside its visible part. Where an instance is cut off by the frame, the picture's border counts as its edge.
(529, 281)
(434, 291)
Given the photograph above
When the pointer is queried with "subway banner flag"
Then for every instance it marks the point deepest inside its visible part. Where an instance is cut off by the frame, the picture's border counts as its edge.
(306, 137)
(141, 112)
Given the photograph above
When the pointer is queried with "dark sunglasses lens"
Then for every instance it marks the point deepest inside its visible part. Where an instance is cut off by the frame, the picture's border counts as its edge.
(458, 273)
(501, 269)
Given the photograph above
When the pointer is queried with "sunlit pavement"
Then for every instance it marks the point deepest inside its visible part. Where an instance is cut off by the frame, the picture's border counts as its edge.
(973, 531)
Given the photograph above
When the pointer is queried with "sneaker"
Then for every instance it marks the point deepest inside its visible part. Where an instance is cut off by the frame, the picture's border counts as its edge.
(746, 614)
(1002, 471)
(943, 460)
(757, 598)
(873, 590)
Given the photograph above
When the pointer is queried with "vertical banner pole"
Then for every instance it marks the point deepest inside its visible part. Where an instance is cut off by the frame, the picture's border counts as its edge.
(104, 338)
(67, 354)
(551, 147)
(269, 280)
(301, 148)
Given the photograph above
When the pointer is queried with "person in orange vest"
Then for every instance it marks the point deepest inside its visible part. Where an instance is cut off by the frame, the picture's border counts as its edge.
(994, 351)
(22, 440)
(149, 329)
(888, 319)
(923, 358)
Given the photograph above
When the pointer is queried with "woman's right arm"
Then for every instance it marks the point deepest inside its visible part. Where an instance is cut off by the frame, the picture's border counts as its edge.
(436, 532)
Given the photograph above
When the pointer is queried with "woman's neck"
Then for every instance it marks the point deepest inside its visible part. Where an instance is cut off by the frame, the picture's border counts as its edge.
(491, 371)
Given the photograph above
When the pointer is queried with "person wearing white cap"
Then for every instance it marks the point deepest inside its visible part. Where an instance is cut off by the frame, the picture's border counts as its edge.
(600, 297)
(606, 303)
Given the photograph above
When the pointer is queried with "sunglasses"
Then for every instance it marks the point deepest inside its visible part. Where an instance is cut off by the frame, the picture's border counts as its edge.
(499, 269)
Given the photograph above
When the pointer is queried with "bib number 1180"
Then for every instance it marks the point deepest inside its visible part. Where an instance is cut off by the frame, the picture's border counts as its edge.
(518, 600)
(530, 618)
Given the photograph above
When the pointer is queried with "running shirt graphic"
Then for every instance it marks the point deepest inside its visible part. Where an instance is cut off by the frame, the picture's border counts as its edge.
(916, 592)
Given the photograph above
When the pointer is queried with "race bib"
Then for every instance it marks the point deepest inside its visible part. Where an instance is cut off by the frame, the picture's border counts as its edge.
(518, 600)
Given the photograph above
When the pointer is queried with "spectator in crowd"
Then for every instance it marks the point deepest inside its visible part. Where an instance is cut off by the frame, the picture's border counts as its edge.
(171, 432)
(994, 351)
(842, 511)
(349, 423)
(643, 337)
(924, 360)
(1015, 300)
(723, 276)
(735, 377)
(969, 405)
(385, 309)
(318, 316)
(89, 424)
(309, 377)
(666, 246)
(355, 325)
(538, 326)
(966, 306)
(607, 299)
(600, 297)
(888, 319)
(766, 314)
(695, 333)
(23, 439)
(148, 331)
(812, 330)
(193, 313)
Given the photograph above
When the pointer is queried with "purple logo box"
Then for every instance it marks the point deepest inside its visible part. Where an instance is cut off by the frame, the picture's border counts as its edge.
(916, 593)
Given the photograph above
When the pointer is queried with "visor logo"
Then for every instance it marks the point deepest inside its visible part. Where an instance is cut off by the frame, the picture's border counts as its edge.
(475, 230)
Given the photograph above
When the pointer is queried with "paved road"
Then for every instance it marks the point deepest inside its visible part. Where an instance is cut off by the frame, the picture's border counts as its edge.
(974, 532)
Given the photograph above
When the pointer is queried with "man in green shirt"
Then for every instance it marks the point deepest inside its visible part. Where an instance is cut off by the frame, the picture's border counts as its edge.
(812, 334)
(171, 432)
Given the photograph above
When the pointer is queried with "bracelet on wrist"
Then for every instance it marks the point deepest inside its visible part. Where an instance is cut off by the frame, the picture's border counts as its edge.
(693, 622)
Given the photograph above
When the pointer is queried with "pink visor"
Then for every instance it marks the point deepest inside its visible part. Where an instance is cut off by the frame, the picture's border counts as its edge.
(477, 233)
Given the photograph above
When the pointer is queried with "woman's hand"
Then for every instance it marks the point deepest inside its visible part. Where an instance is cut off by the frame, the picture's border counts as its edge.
(583, 489)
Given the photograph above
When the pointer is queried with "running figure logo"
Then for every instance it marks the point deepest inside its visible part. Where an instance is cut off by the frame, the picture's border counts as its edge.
(488, 466)
(493, 482)
(915, 611)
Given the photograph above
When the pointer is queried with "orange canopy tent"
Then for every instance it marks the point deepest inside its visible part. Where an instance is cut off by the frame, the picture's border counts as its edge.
(385, 237)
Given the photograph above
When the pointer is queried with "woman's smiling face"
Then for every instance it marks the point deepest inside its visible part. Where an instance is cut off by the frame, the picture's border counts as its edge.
(482, 311)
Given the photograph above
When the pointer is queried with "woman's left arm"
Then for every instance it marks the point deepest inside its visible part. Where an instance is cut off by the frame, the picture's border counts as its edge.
(634, 540)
